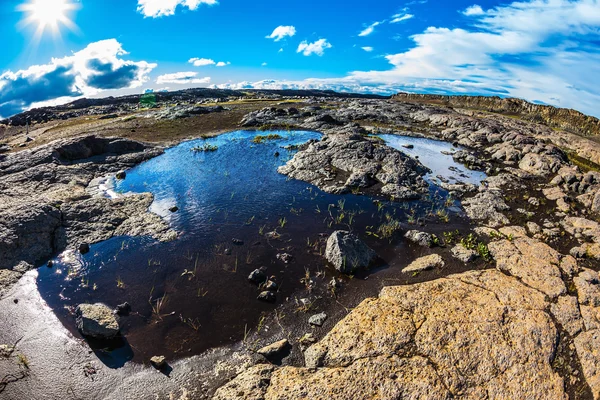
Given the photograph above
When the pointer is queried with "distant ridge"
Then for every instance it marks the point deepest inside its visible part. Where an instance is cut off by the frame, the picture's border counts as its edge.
(44, 114)
(561, 118)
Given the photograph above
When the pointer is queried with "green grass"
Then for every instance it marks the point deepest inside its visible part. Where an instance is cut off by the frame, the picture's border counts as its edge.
(258, 139)
(585, 164)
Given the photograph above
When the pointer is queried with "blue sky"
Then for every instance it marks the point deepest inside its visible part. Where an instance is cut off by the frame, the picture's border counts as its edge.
(542, 50)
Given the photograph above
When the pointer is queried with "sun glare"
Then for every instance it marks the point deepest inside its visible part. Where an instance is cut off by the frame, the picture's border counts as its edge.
(49, 15)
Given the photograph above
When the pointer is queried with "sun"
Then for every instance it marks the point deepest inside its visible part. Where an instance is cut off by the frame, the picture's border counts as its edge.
(49, 15)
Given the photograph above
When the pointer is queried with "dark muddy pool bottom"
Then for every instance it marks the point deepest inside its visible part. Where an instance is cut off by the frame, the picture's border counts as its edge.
(193, 294)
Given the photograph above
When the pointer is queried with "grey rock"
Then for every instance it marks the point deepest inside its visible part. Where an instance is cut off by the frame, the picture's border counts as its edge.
(463, 254)
(267, 296)
(347, 252)
(318, 319)
(257, 276)
(421, 238)
(97, 320)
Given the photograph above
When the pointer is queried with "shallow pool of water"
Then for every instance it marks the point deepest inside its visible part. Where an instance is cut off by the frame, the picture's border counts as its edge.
(435, 155)
(192, 294)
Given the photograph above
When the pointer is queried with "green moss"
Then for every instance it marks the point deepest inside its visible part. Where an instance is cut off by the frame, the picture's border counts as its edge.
(585, 164)
(258, 139)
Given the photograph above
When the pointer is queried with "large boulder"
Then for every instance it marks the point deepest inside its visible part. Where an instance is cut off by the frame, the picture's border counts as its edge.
(347, 252)
(97, 320)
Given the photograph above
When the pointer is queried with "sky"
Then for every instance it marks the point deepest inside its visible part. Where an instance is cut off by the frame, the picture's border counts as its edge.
(544, 51)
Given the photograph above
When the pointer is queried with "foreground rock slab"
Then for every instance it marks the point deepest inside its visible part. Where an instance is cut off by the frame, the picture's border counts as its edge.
(480, 334)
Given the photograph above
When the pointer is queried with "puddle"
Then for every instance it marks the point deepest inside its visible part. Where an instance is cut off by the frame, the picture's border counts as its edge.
(434, 154)
(192, 294)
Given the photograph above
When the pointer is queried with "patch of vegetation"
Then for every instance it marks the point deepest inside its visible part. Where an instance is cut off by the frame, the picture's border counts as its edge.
(258, 139)
(584, 164)
(205, 148)
(484, 251)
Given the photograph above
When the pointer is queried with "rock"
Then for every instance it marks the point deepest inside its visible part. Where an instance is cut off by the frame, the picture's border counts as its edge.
(533, 228)
(250, 384)
(123, 309)
(158, 362)
(174, 209)
(347, 252)
(408, 146)
(421, 238)
(413, 346)
(566, 312)
(463, 254)
(534, 262)
(587, 344)
(425, 263)
(267, 296)
(318, 319)
(237, 242)
(596, 202)
(50, 264)
(84, 248)
(487, 206)
(258, 276)
(7, 279)
(285, 257)
(274, 349)
(97, 320)
(339, 163)
(588, 288)
(121, 175)
(542, 165)
(270, 286)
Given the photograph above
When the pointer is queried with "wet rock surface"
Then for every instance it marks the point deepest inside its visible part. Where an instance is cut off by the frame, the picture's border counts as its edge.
(45, 204)
(345, 162)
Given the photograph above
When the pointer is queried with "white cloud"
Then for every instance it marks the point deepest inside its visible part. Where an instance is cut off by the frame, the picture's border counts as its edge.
(368, 49)
(281, 32)
(201, 62)
(317, 47)
(400, 17)
(370, 29)
(181, 78)
(280, 50)
(96, 68)
(263, 64)
(162, 8)
(540, 50)
(474, 10)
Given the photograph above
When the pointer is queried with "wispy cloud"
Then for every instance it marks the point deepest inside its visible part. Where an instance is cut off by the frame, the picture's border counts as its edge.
(96, 68)
(317, 47)
(474, 10)
(538, 50)
(369, 29)
(163, 8)
(182, 78)
(368, 49)
(282, 32)
(400, 17)
(203, 62)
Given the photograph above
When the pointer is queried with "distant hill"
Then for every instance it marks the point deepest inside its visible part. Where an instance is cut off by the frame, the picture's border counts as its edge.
(113, 104)
(560, 118)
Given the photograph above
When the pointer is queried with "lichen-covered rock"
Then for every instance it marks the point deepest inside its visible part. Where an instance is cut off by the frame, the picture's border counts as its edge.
(566, 312)
(347, 252)
(479, 334)
(532, 261)
(487, 207)
(421, 238)
(463, 254)
(97, 320)
(251, 384)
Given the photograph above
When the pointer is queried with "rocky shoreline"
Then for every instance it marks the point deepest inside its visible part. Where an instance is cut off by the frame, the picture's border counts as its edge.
(528, 327)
